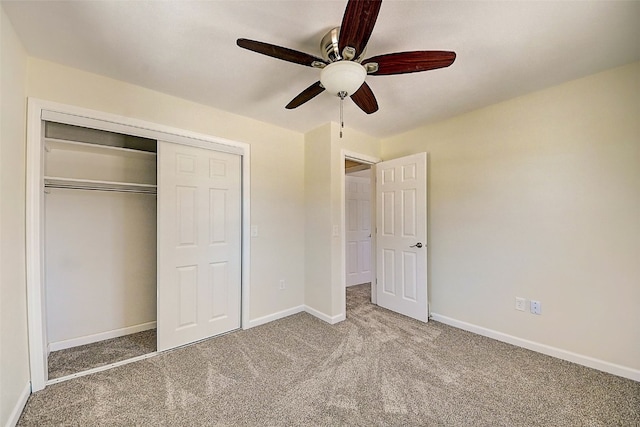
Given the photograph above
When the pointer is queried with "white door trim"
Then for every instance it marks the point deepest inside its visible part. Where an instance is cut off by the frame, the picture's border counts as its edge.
(37, 109)
(362, 158)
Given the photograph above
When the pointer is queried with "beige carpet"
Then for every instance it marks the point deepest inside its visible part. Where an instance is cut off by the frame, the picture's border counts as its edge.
(375, 368)
(85, 357)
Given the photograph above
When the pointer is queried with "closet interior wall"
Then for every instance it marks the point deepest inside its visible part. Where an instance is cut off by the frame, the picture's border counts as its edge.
(100, 234)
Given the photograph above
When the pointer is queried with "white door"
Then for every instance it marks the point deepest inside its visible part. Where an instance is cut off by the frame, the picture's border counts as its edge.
(401, 237)
(199, 243)
(358, 229)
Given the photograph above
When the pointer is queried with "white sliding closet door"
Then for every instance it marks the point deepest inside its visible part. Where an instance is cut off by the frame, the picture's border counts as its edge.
(199, 243)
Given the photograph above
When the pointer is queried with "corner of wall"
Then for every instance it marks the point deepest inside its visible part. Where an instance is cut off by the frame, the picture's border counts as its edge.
(13, 312)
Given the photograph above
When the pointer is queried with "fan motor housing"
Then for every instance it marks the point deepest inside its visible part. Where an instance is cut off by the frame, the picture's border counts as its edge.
(330, 49)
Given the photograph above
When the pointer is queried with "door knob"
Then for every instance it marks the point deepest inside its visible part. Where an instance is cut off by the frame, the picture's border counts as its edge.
(417, 245)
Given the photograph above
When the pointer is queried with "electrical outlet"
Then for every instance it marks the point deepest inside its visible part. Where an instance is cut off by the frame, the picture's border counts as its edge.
(254, 231)
(536, 307)
(520, 303)
(282, 284)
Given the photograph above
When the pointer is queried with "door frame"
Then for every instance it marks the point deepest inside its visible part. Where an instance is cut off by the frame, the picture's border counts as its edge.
(39, 110)
(369, 160)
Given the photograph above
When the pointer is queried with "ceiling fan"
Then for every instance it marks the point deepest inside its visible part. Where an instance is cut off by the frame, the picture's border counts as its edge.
(343, 67)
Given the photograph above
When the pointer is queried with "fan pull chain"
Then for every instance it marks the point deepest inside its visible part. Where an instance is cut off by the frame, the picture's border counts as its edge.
(342, 95)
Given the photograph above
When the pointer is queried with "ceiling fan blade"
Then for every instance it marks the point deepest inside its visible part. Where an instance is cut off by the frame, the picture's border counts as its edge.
(279, 52)
(411, 62)
(304, 96)
(365, 99)
(357, 24)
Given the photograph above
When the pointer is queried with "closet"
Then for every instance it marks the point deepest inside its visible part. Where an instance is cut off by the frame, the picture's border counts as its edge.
(133, 229)
(100, 252)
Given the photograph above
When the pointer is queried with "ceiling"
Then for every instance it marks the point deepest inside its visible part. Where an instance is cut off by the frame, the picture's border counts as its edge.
(188, 49)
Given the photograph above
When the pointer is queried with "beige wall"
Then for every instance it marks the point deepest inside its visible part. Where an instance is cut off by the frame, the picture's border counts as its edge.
(318, 219)
(14, 366)
(277, 168)
(539, 197)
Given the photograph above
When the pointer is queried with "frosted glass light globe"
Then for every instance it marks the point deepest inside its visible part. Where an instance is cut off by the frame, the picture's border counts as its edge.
(343, 76)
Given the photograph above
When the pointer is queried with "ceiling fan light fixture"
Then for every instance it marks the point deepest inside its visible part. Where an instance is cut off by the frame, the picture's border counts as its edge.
(343, 76)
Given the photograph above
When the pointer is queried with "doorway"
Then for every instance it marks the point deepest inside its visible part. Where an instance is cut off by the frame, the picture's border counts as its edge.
(399, 236)
(359, 224)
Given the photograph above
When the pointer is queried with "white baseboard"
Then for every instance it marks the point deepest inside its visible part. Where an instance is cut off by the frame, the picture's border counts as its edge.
(275, 316)
(332, 320)
(294, 310)
(20, 404)
(590, 362)
(88, 339)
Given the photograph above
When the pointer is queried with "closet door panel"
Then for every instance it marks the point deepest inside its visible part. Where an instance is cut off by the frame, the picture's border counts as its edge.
(186, 208)
(218, 286)
(199, 219)
(187, 295)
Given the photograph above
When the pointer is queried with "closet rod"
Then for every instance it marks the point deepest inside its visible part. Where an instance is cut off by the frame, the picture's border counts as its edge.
(115, 190)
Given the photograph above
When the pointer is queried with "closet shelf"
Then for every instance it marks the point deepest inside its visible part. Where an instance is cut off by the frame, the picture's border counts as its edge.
(61, 144)
(89, 184)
